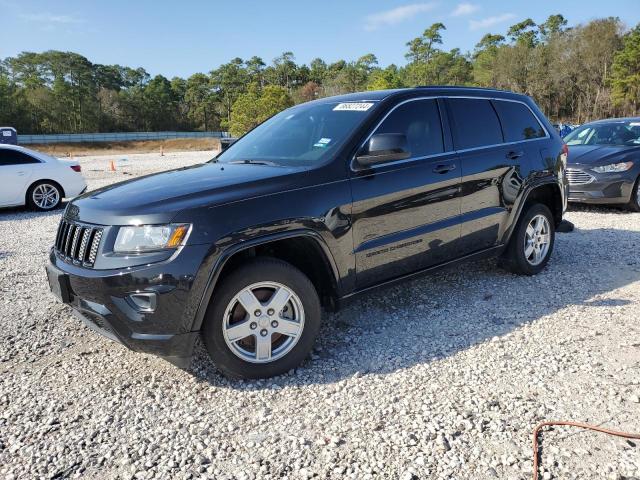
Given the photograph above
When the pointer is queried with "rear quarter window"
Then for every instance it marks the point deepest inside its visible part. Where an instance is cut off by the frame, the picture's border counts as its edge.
(14, 157)
(518, 123)
(475, 123)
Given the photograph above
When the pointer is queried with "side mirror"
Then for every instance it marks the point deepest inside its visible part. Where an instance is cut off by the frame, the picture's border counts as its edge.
(384, 147)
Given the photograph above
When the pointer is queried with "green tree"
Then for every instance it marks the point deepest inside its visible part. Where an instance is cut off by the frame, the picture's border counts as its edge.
(318, 70)
(229, 82)
(255, 70)
(578, 73)
(422, 48)
(524, 33)
(384, 79)
(201, 101)
(554, 25)
(255, 106)
(484, 59)
(283, 72)
(160, 103)
(625, 76)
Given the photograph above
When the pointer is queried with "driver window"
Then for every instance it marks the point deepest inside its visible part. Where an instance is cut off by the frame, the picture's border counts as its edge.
(419, 120)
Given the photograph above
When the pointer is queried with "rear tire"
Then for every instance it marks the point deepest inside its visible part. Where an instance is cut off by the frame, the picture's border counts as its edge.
(263, 320)
(634, 204)
(44, 196)
(531, 243)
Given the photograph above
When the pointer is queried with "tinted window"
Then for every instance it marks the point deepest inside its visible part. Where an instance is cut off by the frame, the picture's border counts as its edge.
(608, 133)
(476, 123)
(420, 122)
(13, 157)
(518, 123)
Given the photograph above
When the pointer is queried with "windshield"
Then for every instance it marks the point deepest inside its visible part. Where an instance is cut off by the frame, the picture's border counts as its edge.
(300, 136)
(609, 133)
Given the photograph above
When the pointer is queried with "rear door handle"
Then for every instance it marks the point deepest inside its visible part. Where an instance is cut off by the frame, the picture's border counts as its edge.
(513, 155)
(444, 168)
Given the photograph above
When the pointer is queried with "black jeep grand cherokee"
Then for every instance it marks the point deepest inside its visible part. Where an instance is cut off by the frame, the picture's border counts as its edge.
(321, 202)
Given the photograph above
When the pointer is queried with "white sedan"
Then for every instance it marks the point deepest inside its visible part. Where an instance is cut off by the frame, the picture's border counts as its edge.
(36, 179)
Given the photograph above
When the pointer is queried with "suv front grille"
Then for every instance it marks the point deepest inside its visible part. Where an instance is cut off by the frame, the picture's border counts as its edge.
(578, 177)
(78, 243)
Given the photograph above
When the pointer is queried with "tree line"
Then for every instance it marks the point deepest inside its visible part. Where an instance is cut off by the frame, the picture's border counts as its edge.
(574, 73)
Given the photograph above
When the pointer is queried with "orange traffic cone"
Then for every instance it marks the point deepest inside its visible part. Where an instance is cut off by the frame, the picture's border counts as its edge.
(112, 166)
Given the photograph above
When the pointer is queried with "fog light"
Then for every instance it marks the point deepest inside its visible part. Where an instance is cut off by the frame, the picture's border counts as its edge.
(144, 301)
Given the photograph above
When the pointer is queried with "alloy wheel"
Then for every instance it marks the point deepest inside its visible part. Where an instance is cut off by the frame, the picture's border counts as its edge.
(45, 196)
(263, 322)
(537, 240)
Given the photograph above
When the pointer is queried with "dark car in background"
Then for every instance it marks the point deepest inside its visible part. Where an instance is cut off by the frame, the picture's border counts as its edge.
(323, 201)
(604, 163)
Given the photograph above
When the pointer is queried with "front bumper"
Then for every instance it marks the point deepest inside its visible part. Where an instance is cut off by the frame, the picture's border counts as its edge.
(101, 299)
(601, 188)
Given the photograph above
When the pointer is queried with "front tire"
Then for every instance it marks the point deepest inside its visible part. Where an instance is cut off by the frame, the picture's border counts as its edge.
(263, 321)
(44, 196)
(532, 242)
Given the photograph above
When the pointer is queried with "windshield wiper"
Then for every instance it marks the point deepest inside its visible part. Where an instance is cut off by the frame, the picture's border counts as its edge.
(255, 162)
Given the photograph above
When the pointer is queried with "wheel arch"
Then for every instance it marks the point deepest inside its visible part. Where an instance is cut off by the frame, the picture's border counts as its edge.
(291, 247)
(548, 193)
(43, 180)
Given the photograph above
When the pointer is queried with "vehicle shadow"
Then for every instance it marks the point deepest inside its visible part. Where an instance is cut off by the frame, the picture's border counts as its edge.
(612, 209)
(10, 214)
(439, 315)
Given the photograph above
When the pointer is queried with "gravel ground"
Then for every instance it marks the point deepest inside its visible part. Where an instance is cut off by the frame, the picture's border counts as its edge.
(441, 377)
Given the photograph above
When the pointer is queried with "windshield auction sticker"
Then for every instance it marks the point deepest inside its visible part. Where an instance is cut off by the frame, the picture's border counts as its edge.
(322, 143)
(354, 107)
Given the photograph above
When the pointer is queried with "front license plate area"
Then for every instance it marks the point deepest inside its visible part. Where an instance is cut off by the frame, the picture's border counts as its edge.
(59, 284)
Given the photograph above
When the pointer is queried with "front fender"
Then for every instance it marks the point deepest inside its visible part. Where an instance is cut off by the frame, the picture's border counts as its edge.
(216, 266)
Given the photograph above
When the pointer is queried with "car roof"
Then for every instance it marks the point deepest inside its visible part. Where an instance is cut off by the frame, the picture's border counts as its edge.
(9, 146)
(615, 120)
(28, 151)
(435, 90)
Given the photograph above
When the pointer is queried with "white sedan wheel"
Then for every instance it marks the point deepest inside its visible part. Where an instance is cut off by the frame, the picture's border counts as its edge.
(46, 196)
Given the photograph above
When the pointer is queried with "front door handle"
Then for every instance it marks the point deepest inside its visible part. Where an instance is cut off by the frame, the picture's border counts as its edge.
(20, 174)
(444, 168)
(513, 155)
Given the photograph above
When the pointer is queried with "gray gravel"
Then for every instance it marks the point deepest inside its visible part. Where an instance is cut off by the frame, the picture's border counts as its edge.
(442, 377)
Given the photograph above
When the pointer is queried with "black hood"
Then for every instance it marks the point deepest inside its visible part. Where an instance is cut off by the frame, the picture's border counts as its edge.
(602, 154)
(157, 198)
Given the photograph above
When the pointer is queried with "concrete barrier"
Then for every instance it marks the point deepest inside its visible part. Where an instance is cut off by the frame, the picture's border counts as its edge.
(113, 137)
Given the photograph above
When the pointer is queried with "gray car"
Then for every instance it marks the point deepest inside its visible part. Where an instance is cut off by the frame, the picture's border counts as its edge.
(604, 162)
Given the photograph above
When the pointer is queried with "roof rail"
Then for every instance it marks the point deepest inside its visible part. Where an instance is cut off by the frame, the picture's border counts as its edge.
(464, 87)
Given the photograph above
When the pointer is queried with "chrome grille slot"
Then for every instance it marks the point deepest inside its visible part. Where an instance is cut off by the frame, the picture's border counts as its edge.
(59, 234)
(82, 253)
(67, 244)
(64, 231)
(77, 243)
(74, 243)
(94, 246)
(578, 177)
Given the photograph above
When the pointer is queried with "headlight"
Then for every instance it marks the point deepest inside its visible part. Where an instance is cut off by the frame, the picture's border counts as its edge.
(146, 238)
(613, 167)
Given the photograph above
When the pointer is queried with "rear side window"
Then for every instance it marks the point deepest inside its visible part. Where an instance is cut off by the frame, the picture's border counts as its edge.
(419, 120)
(518, 123)
(13, 157)
(475, 123)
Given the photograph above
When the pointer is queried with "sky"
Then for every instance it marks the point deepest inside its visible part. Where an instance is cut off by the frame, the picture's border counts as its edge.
(182, 38)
